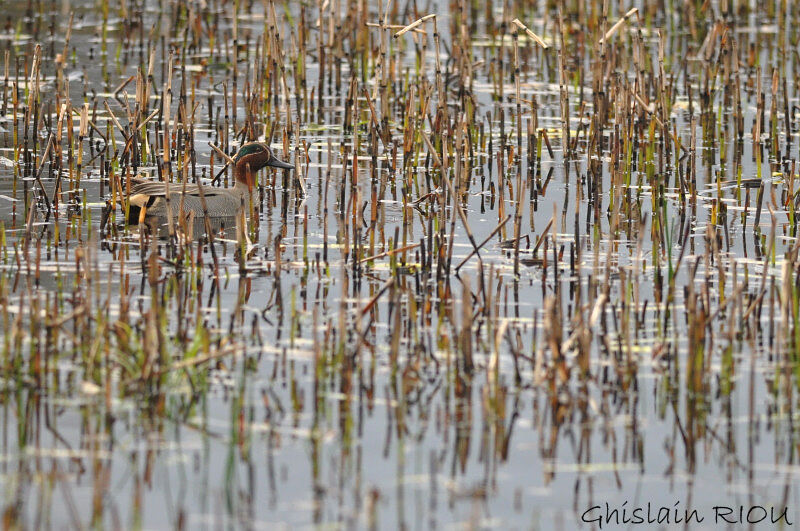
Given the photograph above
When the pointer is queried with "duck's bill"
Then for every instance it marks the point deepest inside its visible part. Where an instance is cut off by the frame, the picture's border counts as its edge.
(275, 163)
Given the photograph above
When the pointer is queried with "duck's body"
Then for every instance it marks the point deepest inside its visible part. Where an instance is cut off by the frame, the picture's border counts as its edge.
(220, 202)
(148, 199)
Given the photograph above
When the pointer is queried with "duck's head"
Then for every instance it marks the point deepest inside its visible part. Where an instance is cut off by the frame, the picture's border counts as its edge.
(253, 156)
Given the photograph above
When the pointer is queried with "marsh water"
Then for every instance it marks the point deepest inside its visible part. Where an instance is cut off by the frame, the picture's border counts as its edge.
(339, 367)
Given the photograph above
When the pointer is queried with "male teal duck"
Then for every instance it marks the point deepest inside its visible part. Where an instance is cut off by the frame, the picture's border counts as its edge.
(148, 199)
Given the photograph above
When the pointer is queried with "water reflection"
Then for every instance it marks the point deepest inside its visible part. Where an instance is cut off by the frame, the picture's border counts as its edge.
(371, 353)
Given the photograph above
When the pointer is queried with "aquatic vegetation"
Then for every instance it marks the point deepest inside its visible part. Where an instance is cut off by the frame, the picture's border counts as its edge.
(534, 257)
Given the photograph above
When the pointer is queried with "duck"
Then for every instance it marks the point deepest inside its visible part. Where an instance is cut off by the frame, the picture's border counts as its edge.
(148, 199)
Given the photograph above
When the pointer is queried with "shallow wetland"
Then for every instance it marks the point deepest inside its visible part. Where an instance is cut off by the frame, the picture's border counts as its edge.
(534, 257)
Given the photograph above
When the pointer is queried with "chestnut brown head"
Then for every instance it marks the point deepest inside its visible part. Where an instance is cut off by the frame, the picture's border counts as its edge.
(255, 155)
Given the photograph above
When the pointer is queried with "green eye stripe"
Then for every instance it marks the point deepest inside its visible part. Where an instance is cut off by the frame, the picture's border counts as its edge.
(249, 150)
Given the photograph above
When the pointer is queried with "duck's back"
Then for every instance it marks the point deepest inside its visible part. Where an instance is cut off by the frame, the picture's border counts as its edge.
(217, 204)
